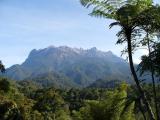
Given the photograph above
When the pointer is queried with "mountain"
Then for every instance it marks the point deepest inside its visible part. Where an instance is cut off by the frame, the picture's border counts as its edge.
(81, 66)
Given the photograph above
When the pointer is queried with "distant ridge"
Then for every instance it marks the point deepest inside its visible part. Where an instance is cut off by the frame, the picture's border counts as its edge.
(81, 66)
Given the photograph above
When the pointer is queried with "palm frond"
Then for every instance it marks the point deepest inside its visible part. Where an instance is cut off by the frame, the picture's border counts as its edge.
(114, 24)
(88, 3)
(103, 8)
(102, 14)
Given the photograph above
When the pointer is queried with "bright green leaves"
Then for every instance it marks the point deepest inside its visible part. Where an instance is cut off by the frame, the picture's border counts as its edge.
(113, 107)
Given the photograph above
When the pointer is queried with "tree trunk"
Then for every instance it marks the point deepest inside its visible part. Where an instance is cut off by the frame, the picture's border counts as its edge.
(143, 96)
(155, 97)
(141, 109)
(153, 80)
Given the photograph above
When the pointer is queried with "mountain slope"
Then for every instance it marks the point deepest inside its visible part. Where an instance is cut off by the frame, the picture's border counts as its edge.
(52, 79)
(82, 67)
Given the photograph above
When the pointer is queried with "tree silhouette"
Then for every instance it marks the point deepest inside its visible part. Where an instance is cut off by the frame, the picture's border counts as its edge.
(2, 68)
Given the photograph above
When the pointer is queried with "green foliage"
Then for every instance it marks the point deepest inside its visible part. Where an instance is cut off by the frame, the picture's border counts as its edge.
(9, 110)
(111, 108)
(102, 83)
(49, 102)
(62, 115)
(70, 104)
(4, 85)
(52, 79)
(151, 62)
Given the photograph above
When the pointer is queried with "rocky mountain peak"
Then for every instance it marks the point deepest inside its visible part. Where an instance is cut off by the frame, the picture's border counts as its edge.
(81, 66)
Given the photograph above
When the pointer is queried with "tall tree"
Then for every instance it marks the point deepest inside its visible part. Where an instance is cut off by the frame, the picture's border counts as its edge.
(149, 21)
(125, 13)
(151, 63)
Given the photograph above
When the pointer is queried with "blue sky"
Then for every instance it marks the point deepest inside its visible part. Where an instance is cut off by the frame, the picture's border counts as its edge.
(35, 24)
